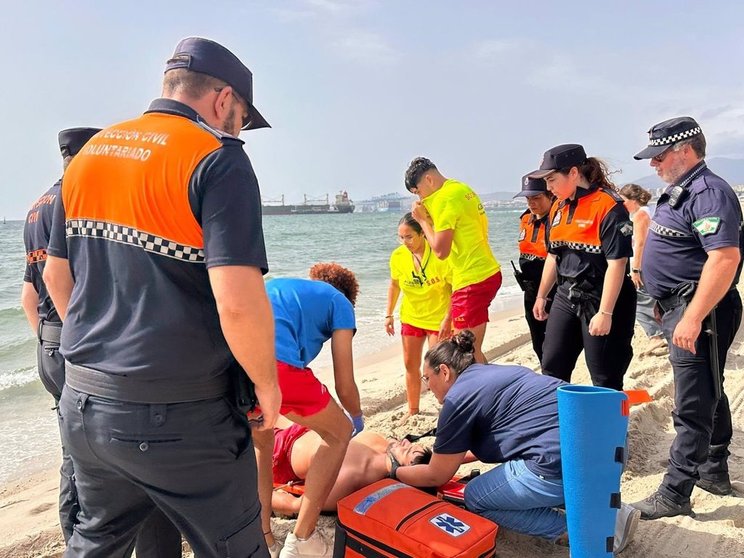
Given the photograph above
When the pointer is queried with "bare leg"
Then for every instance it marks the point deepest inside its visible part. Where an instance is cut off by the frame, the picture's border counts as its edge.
(432, 340)
(285, 503)
(263, 441)
(480, 332)
(335, 430)
(412, 347)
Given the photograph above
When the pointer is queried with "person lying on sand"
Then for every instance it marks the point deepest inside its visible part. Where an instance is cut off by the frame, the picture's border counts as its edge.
(368, 459)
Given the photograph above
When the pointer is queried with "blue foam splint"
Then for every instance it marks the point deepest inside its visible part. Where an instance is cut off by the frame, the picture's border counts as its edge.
(593, 427)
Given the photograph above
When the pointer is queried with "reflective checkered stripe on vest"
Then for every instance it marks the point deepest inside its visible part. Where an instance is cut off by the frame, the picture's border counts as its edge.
(577, 227)
(133, 190)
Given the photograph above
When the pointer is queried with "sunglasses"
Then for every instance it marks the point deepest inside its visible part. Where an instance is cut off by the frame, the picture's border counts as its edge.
(661, 156)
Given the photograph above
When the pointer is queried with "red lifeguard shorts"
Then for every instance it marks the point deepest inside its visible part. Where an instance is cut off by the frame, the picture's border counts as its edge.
(284, 440)
(470, 304)
(413, 331)
(302, 393)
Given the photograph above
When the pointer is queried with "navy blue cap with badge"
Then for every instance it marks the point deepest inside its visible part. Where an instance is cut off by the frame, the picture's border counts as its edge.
(532, 187)
(207, 57)
(560, 157)
(665, 134)
(72, 140)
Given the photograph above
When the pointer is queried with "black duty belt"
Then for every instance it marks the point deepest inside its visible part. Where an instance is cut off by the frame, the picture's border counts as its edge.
(50, 332)
(139, 390)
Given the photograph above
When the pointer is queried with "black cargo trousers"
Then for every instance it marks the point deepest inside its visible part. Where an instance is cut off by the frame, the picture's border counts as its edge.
(702, 422)
(193, 461)
(567, 334)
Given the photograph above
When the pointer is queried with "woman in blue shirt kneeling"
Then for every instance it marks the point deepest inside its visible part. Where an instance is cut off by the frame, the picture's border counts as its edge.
(507, 415)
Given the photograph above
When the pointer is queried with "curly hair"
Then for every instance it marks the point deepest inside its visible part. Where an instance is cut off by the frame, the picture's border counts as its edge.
(337, 276)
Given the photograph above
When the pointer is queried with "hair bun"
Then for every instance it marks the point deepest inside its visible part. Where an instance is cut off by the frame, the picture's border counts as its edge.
(465, 341)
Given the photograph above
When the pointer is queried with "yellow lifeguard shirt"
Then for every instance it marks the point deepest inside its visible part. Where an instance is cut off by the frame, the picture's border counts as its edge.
(455, 206)
(426, 293)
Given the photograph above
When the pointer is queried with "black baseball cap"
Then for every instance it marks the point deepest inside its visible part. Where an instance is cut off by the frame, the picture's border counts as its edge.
(532, 187)
(560, 157)
(205, 56)
(663, 135)
(72, 140)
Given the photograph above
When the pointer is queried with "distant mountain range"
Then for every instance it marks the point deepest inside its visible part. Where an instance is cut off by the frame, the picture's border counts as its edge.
(731, 170)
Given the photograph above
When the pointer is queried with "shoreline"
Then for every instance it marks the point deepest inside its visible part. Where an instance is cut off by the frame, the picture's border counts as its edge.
(28, 514)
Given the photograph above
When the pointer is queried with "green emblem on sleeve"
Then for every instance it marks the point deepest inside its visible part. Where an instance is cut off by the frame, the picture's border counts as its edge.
(707, 225)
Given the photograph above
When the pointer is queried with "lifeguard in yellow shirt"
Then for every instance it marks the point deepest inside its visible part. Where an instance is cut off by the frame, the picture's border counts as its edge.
(455, 224)
(426, 284)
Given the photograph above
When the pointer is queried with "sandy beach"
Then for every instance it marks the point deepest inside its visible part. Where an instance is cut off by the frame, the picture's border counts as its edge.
(28, 516)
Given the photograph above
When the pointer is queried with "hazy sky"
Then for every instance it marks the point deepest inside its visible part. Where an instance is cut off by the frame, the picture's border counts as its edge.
(355, 89)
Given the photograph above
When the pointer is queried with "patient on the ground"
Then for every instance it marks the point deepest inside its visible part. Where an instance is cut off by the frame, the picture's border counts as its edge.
(369, 458)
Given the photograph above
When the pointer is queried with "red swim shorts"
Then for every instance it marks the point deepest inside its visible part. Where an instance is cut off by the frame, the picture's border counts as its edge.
(284, 440)
(413, 331)
(302, 392)
(470, 304)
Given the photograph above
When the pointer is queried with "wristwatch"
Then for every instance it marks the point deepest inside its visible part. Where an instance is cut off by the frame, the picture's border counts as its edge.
(634, 270)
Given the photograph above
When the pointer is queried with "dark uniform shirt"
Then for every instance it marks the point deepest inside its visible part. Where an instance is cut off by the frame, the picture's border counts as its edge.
(586, 232)
(146, 207)
(532, 245)
(707, 217)
(36, 233)
(502, 413)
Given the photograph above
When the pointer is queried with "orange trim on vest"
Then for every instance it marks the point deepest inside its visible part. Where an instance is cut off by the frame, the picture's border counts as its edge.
(533, 249)
(579, 227)
(137, 174)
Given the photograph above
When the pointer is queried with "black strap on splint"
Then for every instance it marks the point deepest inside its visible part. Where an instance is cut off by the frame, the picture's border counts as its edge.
(416, 437)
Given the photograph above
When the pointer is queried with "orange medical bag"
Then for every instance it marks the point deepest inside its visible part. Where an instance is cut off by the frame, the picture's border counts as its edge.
(389, 519)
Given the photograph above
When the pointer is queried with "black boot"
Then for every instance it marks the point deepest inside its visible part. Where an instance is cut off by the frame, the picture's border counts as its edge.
(714, 473)
(718, 487)
(657, 505)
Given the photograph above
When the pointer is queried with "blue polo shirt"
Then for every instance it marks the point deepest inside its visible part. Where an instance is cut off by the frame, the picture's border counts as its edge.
(36, 231)
(306, 313)
(503, 413)
(708, 217)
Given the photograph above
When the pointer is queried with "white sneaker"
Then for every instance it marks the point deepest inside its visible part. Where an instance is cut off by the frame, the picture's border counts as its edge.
(312, 547)
(625, 526)
(275, 549)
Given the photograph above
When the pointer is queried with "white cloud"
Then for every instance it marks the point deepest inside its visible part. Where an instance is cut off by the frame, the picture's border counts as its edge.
(323, 9)
(365, 46)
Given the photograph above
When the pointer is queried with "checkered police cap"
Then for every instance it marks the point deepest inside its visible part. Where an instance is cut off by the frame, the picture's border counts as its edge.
(667, 133)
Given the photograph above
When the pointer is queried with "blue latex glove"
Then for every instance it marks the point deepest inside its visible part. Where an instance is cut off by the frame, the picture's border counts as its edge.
(358, 422)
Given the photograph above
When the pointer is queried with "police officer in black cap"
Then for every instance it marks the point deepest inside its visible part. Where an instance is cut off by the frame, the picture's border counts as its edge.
(691, 265)
(533, 251)
(589, 242)
(41, 313)
(155, 264)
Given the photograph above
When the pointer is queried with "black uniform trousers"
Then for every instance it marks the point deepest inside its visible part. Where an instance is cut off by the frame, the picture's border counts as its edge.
(537, 327)
(703, 424)
(192, 461)
(157, 536)
(52, 374)
(607, 356)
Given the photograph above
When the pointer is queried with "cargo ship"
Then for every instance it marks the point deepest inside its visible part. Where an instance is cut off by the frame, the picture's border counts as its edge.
(309, 206)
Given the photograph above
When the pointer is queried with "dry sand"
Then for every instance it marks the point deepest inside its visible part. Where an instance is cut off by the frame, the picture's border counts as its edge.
(28, 518)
